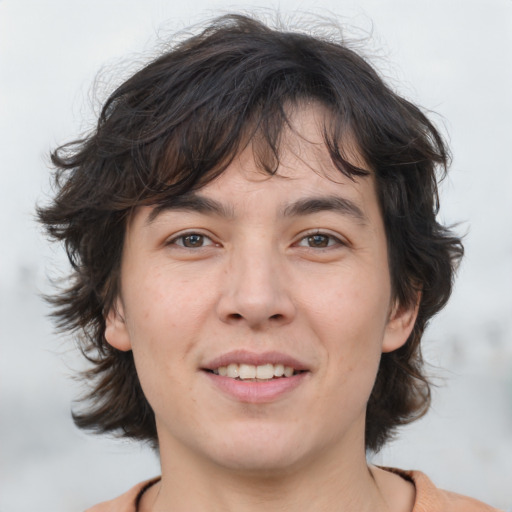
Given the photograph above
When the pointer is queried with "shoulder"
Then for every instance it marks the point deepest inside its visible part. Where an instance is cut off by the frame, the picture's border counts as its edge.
(127, 502)
(431, 499)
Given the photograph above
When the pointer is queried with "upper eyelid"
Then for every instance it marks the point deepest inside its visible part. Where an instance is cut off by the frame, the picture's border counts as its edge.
(322, 232)
(182, 234)
(342, 240)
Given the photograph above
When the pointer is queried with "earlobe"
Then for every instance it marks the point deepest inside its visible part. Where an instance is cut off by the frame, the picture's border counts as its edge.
(400, 325)
(116, 332)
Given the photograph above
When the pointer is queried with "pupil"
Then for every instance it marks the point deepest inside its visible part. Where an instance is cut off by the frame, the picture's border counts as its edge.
(318, 241)
(193, 241)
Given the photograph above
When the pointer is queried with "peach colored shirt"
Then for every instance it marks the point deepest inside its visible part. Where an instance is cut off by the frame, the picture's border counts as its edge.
(431, 499)
(428, 497)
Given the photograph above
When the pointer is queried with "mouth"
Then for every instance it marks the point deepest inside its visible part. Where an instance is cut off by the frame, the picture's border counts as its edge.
(255, 373)
(249, 377)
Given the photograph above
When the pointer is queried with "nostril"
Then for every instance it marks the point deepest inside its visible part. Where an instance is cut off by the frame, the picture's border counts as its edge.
(238, 316)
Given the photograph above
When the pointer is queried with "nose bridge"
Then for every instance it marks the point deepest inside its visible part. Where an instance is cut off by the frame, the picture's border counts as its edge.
(255, 290)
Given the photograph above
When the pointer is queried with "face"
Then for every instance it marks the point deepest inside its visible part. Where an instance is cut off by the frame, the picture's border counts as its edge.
(257, 310)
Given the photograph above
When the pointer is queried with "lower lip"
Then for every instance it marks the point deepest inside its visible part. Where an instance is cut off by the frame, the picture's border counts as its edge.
(256, 392)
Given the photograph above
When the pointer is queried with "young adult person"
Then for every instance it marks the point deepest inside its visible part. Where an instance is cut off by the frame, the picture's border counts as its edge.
(255, 256)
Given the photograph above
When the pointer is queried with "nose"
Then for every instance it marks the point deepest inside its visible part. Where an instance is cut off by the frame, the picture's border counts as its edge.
(255, 290)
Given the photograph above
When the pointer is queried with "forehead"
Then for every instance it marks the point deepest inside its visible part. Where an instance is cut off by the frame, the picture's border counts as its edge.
(306, 180)
(303, 137)
(305, 165)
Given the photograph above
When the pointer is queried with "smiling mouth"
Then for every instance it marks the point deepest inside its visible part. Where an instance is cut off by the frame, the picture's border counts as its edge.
(253, 373)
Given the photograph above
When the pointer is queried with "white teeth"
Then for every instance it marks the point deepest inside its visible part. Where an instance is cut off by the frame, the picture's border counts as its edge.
(251, 372)
(247, 371)
(288, 372)
(265, 371)
(232, 371)
(278, 370)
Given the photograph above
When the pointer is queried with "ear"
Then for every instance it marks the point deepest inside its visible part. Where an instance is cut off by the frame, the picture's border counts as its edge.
(116, 332)
(400, 325)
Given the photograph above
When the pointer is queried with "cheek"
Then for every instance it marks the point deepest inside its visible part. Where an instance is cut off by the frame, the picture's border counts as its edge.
(352, 304)
(350, 321)
(165, 301)
(165, 316)
(160, 347)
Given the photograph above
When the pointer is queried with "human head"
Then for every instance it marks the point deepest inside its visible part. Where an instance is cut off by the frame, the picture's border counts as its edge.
(178, 123)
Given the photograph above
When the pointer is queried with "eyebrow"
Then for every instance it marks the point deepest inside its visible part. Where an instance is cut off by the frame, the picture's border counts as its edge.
(191, 202)
(310, 205)
(196, 203)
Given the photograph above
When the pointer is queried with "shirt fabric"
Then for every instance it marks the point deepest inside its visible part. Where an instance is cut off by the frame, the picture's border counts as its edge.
(428, 497)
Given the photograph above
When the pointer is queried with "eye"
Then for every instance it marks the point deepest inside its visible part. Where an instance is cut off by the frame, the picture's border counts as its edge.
(192, 241)
(319, 241)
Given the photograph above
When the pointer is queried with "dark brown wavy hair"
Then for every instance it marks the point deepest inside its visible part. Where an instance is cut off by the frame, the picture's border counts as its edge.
(177, 123)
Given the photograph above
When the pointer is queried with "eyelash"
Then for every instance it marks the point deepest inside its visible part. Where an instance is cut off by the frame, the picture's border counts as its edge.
(332, 240)
(183, 236)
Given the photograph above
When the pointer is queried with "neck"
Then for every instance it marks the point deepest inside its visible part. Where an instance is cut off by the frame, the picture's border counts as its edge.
(330, 483)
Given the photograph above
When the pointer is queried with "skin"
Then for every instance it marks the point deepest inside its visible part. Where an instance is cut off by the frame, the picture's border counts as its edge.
(313, 285)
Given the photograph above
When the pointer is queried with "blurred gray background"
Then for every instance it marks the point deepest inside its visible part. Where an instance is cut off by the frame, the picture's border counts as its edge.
(454, 57)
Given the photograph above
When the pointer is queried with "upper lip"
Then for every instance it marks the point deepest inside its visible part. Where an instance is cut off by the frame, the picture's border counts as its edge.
(254, 358)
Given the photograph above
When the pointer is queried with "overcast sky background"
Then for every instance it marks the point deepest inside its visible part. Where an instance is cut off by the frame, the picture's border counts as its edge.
(453, 57)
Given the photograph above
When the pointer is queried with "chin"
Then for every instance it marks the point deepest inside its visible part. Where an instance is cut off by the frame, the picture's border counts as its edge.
(259, 463)
(263, 451)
